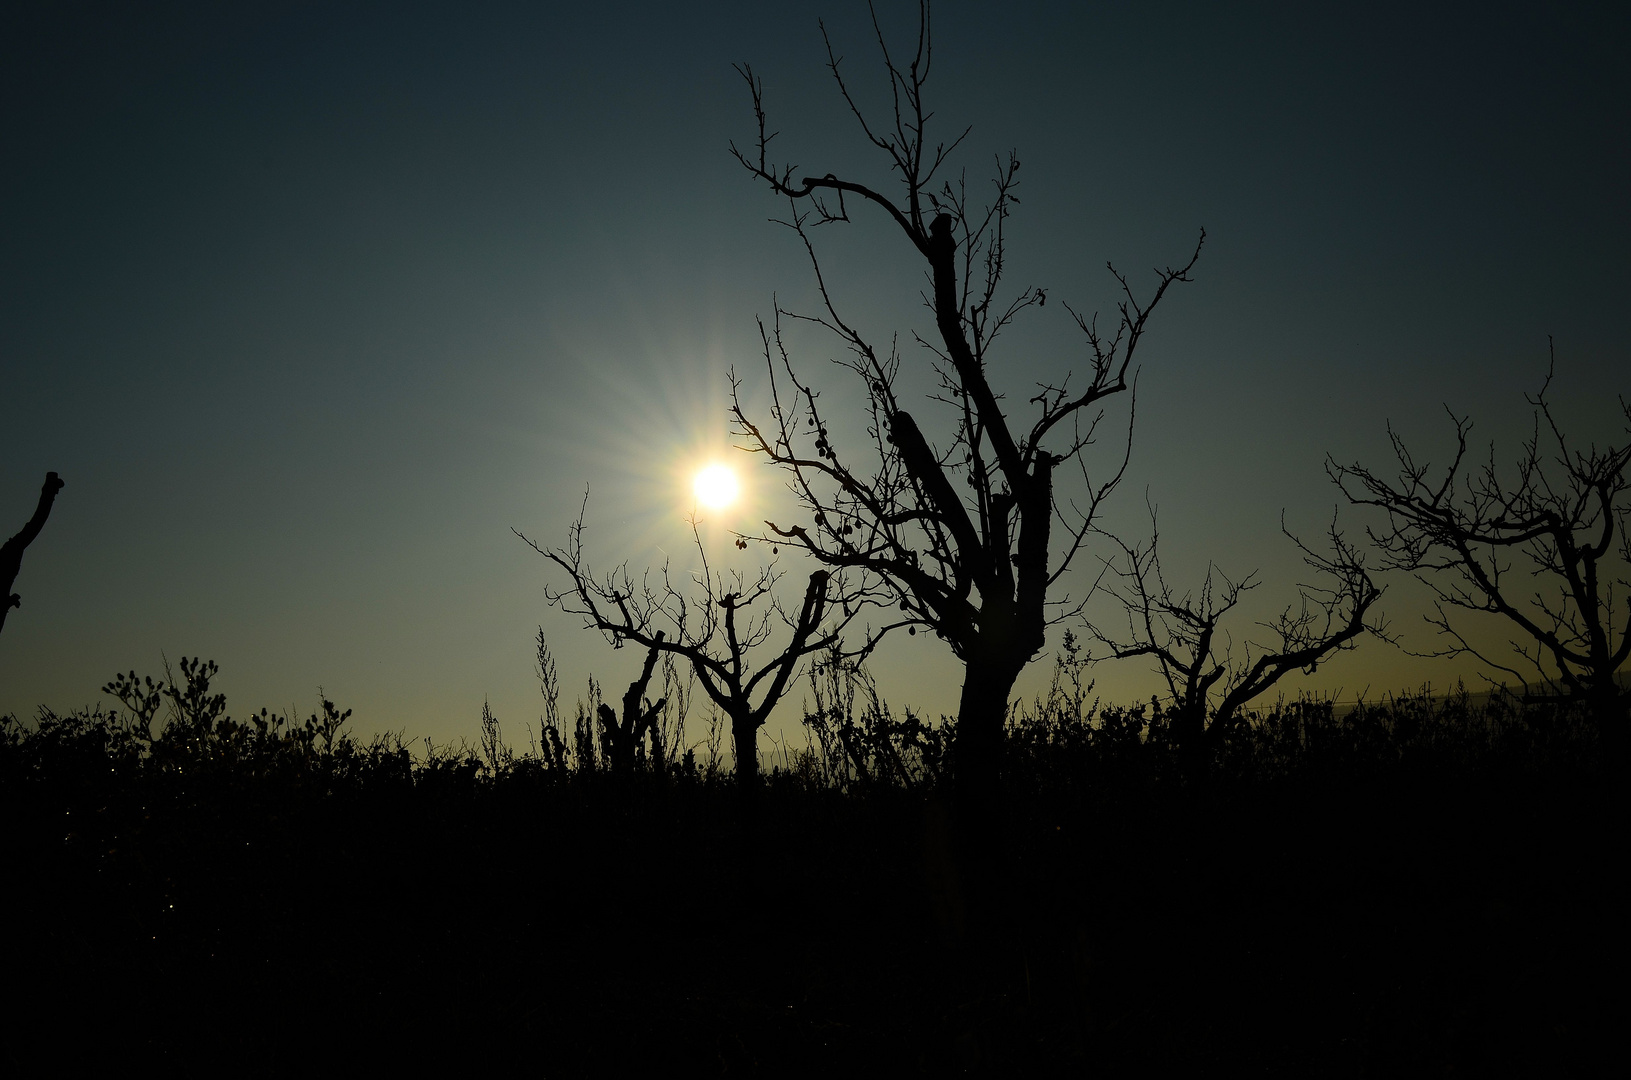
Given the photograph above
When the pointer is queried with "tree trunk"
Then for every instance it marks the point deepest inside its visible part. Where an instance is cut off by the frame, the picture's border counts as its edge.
(1198, 745)
(982, 870)
(1609, 711)
(744, 736)
(981, 714)
(745, 741)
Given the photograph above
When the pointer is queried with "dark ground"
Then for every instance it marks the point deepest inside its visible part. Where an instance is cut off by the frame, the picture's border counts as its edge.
(1415, 918)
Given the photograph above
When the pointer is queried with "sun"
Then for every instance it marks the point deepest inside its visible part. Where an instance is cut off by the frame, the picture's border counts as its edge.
(716, 487)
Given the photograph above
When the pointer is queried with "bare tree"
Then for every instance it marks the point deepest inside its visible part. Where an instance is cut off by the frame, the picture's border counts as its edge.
(959, 533)
(713, 623)
(622, 736)
(1543, 546)
(1210, 677)
(11, 552)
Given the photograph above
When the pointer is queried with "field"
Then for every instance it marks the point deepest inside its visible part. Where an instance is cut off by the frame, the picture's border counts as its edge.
(1418, 887)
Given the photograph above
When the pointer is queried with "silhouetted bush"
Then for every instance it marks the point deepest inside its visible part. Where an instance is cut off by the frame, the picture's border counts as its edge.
(1416, 884)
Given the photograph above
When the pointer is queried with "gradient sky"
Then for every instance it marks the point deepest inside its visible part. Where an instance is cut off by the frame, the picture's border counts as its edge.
(310, 304)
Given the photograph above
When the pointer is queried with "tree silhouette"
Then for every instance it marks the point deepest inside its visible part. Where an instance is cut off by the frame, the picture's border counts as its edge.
(714, 625)
(1544, 546)
(621, 736)
(11, 552)
(1210, 683)
(976, 568)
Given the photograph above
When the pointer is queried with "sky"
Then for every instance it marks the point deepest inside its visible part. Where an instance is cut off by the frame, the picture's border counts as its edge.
(312, 304)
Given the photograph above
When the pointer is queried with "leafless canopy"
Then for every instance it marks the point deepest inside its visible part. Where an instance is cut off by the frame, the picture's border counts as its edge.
(1544, 546)
(717, 621)
(975, 567)
(1211, 678)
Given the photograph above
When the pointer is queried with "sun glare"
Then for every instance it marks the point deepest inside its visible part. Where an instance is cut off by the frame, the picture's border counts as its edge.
(716, 487)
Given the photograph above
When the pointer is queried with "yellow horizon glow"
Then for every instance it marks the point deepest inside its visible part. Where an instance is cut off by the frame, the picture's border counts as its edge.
(716, 487)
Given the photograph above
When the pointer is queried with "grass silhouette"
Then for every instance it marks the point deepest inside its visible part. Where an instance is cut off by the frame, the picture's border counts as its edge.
(1417, 885)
